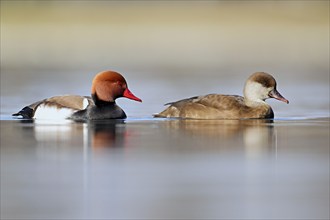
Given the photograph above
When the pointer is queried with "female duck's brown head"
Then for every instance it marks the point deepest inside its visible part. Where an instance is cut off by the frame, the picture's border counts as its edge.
(107, 86)
(261, 86)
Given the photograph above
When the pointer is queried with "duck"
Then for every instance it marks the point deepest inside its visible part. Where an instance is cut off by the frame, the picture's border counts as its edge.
(258, 87)
(107, 86)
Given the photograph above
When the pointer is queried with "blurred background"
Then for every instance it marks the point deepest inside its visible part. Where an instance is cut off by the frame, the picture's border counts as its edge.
(167, 50)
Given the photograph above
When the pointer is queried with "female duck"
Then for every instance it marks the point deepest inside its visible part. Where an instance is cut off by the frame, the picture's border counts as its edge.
(107, 86)
(259, 87)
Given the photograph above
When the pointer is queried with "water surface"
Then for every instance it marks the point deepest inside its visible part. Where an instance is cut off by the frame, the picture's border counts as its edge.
(145, 168)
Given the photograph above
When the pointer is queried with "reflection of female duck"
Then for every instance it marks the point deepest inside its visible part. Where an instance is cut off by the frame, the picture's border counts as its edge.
(216, 128)
(259, 87)
(255, 136)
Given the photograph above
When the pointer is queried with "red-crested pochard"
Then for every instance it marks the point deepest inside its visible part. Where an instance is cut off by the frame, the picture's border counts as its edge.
(258, 87)
(107, 86)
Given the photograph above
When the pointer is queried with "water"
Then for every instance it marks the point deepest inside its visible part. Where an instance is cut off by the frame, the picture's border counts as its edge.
(144, 168)
(157, 168)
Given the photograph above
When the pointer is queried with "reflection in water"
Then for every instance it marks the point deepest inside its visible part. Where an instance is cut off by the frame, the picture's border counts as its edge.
(106, 134)
(257, 135)
(190, 169)
(96, 134)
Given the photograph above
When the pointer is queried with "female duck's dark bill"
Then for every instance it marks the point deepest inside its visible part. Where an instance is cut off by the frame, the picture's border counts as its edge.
(276, 95)
(128, 94)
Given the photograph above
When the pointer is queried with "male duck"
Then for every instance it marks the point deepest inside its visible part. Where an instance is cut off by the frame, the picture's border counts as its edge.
(107, 86)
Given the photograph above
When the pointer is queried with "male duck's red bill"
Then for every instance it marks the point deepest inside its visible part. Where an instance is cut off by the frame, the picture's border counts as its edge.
(107, 86)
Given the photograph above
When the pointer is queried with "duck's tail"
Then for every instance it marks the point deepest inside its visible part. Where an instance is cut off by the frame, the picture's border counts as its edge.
(26, 112)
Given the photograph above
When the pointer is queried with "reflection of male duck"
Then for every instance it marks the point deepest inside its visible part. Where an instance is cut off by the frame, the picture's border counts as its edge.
(95, 134)
(106, 134)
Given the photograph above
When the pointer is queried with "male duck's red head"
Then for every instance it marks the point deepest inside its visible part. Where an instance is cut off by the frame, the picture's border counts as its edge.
(109, 85)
